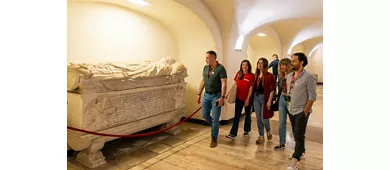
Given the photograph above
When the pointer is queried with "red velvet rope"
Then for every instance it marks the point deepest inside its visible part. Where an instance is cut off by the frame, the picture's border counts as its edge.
(135, 135)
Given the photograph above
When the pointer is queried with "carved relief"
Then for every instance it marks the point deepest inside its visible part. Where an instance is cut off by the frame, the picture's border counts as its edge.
(96, 113)
(180, 96)
(117, 109)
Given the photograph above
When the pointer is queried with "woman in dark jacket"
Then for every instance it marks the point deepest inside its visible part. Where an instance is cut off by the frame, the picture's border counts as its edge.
(264, 87)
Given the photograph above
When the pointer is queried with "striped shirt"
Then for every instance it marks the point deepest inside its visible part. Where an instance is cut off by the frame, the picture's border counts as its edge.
(304, 89)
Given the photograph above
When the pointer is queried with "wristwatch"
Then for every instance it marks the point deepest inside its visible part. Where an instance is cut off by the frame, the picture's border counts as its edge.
(223, 97)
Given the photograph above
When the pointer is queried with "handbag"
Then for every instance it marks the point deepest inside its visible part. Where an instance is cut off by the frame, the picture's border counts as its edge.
(232, 94)
(275, 105)
(275, 102)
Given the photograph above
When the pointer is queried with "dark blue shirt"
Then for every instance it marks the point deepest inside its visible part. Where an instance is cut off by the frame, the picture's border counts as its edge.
(274, 65)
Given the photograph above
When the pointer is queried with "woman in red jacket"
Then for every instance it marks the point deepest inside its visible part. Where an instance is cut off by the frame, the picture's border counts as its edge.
(263, 92)
(244, 79)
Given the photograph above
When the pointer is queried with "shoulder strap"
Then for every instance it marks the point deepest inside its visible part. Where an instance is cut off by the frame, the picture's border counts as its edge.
(236, 76)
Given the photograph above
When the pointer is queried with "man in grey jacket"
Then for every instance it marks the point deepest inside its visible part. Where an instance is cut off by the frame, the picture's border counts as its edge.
(301, 94)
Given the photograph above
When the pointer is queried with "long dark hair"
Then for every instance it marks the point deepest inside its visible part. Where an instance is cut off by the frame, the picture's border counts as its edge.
(241, 72)
(265, 69)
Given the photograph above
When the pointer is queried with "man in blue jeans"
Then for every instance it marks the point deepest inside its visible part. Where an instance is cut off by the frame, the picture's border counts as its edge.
(214, 81)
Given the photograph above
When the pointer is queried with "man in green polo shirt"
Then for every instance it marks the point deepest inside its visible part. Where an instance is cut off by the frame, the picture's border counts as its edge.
(214, 81)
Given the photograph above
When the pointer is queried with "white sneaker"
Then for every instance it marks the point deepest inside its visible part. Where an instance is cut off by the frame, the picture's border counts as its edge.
(230, 136)
(246, 133)
(293, 164)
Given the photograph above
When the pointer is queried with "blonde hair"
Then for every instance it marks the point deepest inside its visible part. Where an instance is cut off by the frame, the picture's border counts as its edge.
(286, 62)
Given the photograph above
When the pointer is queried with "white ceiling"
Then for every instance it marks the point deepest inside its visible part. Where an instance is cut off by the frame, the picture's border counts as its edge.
(294, 21)
(251, 14)
(288, 18)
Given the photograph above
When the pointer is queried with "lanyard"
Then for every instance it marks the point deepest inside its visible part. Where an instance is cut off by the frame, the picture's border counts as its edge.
(258, 80)
(293, 80)
(212, 70)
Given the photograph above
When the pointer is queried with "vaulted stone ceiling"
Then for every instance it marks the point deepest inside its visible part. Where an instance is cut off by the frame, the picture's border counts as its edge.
(287, 18)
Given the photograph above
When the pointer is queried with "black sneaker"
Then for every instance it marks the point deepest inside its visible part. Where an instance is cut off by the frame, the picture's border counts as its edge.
(280, 147)
(230, 136)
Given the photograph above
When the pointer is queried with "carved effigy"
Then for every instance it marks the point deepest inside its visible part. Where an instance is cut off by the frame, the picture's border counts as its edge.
(84, 78)
(122, 98)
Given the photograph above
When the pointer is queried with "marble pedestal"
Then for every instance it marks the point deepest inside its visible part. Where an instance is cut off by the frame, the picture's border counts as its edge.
(123, 112)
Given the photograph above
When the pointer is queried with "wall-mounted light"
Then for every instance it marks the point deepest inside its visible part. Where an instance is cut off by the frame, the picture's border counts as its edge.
(140, 2)
(261, 34)
(239, 43)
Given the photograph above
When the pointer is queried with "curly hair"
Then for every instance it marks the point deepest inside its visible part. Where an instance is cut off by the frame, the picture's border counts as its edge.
(302, 57)
(286, 62)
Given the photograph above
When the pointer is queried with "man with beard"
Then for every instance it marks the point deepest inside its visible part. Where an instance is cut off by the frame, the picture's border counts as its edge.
(214, 81)
(301, 91)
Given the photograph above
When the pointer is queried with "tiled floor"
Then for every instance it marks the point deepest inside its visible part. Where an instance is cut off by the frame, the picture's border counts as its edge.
(190, 149)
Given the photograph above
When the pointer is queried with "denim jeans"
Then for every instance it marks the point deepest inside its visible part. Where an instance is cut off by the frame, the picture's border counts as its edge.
(211, 112)
(258, 103)
(283, 111)
(239, 104)
(299, 123)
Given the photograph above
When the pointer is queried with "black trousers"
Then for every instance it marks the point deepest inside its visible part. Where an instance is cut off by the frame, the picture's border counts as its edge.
(239, 104)
(299, 123)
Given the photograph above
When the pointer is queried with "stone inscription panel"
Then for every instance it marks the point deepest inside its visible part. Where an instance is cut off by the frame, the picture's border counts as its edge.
(129, 107)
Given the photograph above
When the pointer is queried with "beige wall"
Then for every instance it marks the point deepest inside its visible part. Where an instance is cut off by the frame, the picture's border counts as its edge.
(99, 32)
(193, 46)
(250, 53)
(315, 65)
(299, 48)
(105, 33)
(263, 47)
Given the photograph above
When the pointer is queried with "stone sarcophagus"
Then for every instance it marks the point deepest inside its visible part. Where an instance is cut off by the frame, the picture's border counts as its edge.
(121, 99)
